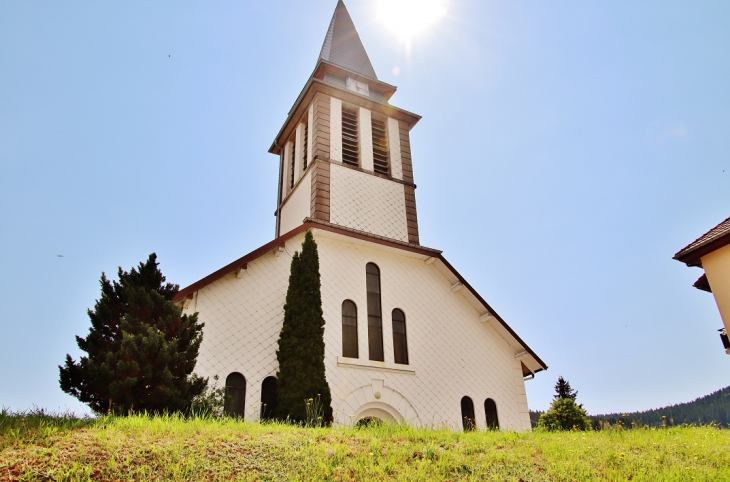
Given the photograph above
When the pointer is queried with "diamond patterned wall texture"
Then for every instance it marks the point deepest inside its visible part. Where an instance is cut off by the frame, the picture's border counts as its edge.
(367, 203)
(451, 354)
(297, 206)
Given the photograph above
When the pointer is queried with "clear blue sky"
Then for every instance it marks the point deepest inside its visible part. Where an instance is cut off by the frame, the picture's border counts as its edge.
(567, 150)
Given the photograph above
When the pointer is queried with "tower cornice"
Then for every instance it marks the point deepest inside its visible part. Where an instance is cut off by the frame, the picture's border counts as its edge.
(314, 86)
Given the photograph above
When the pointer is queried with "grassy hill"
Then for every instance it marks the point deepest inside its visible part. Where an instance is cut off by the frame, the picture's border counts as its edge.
(710, 409)
(39, 447)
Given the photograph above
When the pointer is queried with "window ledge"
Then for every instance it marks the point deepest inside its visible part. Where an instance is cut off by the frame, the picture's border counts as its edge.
(374, 365)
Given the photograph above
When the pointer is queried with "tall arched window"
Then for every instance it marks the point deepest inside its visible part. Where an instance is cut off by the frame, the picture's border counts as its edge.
(400, 343)
(375, 317)
(468, 420)
(235, 397)
(349, 329)
(268, 398)
(490, 410)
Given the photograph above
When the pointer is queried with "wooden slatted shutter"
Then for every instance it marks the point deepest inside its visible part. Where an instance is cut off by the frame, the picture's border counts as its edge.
(380, 147)
(305, 147)
(350, 152)
(291, 160)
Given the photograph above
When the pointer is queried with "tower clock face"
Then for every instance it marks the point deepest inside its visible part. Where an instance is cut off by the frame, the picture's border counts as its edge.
(357, 86)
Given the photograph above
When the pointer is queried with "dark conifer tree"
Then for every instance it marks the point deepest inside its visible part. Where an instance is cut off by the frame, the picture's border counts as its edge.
(301, 374)
(563, 390)
(141, 348)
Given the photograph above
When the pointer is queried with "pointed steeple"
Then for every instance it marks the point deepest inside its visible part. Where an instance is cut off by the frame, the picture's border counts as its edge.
(342, 45)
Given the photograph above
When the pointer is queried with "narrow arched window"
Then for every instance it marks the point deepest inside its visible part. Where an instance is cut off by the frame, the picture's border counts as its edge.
(235, 395)
(268, 398)
(349, 329)
(400, 343)
(375, 317)
(468, 420)
(490, 410)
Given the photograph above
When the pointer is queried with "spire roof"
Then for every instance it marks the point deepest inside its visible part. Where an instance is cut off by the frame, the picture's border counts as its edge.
(342, 45)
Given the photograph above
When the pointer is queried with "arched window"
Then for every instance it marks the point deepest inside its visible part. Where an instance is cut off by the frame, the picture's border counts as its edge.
(490, 410)
(349, 329)
(400, 343)
(468, 420)
(235, 397)
(375, 317)
(268, 398)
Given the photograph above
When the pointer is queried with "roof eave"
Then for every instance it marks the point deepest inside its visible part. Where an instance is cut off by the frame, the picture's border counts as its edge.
(693, 257)
(323, 65)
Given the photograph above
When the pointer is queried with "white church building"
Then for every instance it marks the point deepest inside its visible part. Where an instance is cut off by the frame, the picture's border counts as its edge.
(407, 339)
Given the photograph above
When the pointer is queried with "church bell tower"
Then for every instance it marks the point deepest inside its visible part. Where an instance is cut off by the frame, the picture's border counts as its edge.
(344, 150)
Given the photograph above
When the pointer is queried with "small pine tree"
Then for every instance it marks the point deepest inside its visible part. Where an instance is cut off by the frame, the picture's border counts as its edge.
(563, 390)
(141, 348)
(301, 374)
(564, 414)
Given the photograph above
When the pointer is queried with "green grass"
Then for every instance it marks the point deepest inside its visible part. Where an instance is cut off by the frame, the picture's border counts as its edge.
(36, 446)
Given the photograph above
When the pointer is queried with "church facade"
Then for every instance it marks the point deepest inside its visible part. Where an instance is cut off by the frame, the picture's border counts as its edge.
(407, 339)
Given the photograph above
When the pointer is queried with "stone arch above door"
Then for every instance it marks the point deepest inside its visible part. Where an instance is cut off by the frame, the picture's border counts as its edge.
(378, 401)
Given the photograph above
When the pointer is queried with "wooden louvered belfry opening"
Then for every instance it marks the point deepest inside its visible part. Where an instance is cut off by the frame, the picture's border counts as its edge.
(380, 147)
(305, 146)
(350, 153)
(293, 164)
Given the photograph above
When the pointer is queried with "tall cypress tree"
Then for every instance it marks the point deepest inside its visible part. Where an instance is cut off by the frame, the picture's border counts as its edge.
(301, 374)
(141, 348)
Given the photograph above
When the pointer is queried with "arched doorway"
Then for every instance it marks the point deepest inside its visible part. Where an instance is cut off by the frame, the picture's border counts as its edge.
(268, 398)
(468, 420)
(490, 410)
(235, 400)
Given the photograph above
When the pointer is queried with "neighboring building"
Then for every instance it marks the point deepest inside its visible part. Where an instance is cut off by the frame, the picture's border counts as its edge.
(711, 252)
(406, 337)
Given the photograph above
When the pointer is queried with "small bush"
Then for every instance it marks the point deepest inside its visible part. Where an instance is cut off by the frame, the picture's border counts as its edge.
(564, 414)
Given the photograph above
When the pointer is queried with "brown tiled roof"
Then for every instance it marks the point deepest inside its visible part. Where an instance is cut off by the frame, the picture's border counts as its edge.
(342, 44)
(713, 239)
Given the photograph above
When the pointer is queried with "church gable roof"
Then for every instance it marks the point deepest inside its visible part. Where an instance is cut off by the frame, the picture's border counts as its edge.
(496, 321)
(342, 45)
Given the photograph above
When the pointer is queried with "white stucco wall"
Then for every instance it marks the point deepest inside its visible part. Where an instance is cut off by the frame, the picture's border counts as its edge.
(717, 268)
(368, 203)
(298, 206)
(451, 354)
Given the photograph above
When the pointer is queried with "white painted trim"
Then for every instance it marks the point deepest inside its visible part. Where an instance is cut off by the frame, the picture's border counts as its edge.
(486, 317)
(298, 164)
(365, 133)
(374, 365)
(335, 129)
(396, 163)
(287, 169)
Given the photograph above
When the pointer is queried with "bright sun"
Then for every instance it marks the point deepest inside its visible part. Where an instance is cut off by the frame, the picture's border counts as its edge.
(409, 17)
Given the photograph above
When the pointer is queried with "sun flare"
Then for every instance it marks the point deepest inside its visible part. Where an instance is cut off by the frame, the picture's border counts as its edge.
(409, 17)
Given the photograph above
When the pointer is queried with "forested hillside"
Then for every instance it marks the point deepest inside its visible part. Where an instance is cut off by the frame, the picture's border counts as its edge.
(712, 408)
